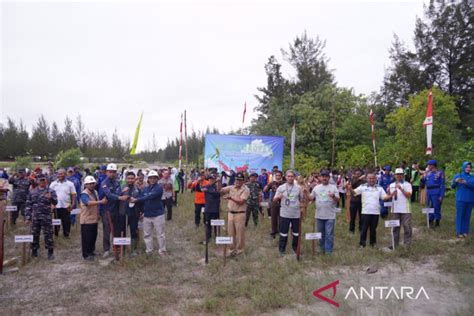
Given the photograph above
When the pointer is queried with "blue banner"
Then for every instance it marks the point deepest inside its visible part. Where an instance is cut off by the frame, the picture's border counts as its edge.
(243, 152)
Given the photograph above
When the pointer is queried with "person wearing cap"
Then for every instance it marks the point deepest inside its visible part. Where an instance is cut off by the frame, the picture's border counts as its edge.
(326, 197)
(199, 197)
(112, 190)
(401, 192)
(237, 196)
(38, 214)
(290, 194)
(355, 203)
(212, 199)
(384, 181)
(21, 186)
(89, 218)
(153, 215)
(254, 199)
(67, 201)
(463, 182)
(371, 194)
(434, 180)
(77, 185)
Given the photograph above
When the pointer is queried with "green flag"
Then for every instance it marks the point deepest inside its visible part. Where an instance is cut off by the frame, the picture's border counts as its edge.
(137, 133)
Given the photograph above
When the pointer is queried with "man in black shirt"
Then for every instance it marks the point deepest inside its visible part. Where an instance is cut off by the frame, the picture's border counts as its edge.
(213, 200)
(356, 202)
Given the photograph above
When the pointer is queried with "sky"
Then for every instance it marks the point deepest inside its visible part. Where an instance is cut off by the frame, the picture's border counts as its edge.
(107, 60)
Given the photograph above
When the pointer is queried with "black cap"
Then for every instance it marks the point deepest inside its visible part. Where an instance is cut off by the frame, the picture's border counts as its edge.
(324, 172)
(240, 176)
(21, 170)
(41, 176)
(254, 174)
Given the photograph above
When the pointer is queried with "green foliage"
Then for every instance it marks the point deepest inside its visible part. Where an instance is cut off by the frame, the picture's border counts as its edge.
(23, 162)
(463, 153)
(68, 158)
(410, 137)
(357, 156)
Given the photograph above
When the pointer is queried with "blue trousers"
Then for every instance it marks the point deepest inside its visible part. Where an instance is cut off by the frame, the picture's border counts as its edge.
(326, 228)
(433, 201)
(463, 217)
(383, 209)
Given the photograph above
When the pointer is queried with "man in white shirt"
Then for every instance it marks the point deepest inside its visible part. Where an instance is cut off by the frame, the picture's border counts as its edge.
(326, 196)
(371, 194)
(66, 201)
(401, 192)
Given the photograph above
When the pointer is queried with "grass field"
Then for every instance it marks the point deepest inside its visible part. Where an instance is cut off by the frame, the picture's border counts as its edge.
(258, 282)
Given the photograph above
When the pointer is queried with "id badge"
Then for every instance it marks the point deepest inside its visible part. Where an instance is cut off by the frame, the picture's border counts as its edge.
(287, 202)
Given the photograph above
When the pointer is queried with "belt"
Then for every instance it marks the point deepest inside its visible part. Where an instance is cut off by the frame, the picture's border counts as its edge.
(433, 187)
(234, 212)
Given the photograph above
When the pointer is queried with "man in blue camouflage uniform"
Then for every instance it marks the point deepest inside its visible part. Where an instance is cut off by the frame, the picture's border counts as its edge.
(255, 197)
(77, 185)
(38, 213)
(21, 185)
(434, 179)
(385, 180)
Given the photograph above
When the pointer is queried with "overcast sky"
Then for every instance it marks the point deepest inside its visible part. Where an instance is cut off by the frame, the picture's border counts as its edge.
(108, 61)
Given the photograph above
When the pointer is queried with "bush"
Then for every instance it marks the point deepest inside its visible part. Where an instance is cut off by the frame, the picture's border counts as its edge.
(357, 156)
(23, 162)
(68, 158)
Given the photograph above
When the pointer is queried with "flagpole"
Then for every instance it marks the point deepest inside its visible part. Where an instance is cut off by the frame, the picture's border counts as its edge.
(181, 142)
(243, 118)
(293, 141)
(185, 140)
(428, 123)
(371, 116)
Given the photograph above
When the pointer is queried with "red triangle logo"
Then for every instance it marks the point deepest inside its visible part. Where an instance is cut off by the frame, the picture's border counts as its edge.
(317, 293)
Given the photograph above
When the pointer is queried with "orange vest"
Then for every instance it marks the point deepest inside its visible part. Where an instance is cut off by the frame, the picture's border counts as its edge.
(199, 197)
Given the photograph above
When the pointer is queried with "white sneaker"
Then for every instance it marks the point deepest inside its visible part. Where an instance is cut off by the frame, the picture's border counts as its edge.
(106, 254)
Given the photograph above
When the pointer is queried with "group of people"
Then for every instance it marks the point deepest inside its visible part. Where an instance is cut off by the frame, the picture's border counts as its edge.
(122, 200)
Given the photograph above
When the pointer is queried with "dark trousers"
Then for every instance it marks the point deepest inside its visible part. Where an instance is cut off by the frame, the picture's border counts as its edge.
(20, 209)
(88, 239)
(284, 230)
(207, 222)
(175, 202)
(118, 221)
(355, 210)
(133, 224)
(63, 215)
(169, 208)
(342, 200)
(197, 213)
(106, 231)
(252, 210)
(275, 218)
(42, 222)
(415, 193)
(369, 222)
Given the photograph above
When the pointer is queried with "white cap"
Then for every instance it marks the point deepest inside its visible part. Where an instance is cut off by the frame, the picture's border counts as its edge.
(152, 173)
(399, 171)
(89, 179)
(111, 167)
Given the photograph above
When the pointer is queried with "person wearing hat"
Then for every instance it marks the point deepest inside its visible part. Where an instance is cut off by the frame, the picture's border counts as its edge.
(384, 181)
(254, 199)
(290, 194)
(401, 192)
(237, 196)
(112, 221)
(89, 217)
(326, 197)
(153, 215)
(212, 199)
(463, 182)
(274, 204)
(38, 214)
(21, 186)
(67, 201)
(199, 197)
(77, 185)
(434, 179)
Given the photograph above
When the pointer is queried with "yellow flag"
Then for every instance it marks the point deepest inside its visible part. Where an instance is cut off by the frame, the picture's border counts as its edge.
(137, 133)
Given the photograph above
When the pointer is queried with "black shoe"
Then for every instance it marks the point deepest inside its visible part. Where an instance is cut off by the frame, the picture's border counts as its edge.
(34, 253)
(437, 223)
(50, 254)
(430, 224)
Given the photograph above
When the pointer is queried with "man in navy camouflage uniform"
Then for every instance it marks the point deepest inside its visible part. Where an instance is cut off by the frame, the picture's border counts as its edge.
(255, 197)
(21, 185)
(434, 180)
(38, 213)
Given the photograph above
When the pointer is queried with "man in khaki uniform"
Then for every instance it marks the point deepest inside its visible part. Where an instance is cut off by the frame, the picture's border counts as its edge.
(237, 196)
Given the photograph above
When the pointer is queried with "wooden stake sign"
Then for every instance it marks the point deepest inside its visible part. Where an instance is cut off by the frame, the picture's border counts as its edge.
(313, 237)
(56, 222)
(392, 223)
(216, 224)
(122, 241)
(224, 241)
(23, 239)
(427, 211)
(76, 211)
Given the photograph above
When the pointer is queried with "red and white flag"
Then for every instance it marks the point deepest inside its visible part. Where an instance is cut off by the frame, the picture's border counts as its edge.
(245, 111)
(428, 123)
(181, 141)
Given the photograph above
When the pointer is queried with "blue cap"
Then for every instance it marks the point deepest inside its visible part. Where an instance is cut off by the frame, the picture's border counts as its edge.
(103, 167)
(387, 167)
(432, 162)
